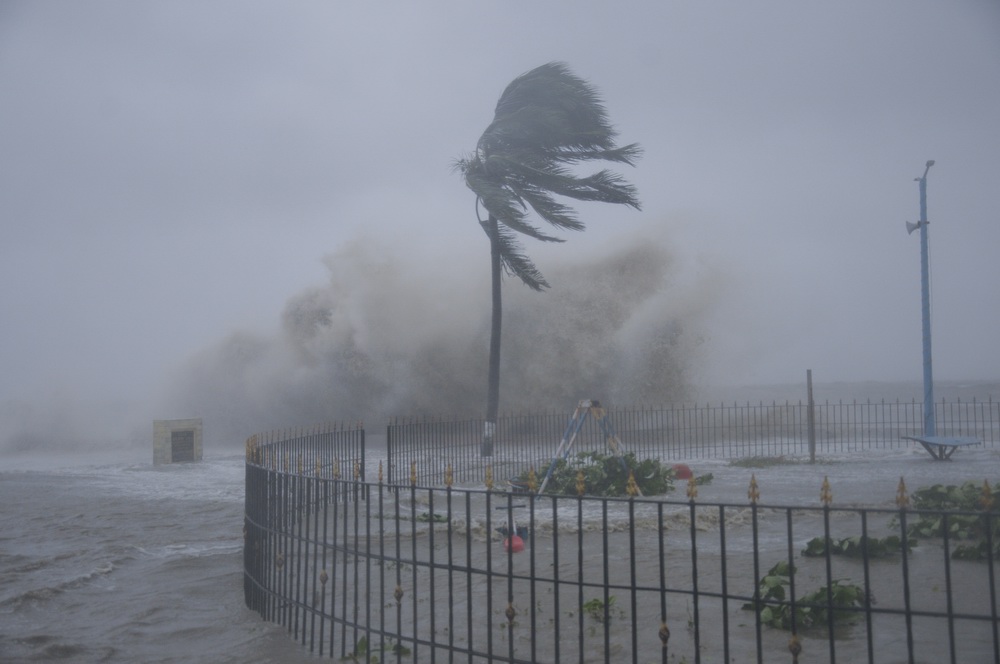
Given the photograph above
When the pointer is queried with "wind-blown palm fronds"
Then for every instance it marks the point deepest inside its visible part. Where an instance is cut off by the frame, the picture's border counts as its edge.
(545, 121)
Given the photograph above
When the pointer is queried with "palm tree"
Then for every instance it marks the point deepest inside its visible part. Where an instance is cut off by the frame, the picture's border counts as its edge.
(546, 121)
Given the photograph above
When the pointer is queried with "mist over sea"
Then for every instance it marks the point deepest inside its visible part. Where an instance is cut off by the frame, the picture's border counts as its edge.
(106, 558)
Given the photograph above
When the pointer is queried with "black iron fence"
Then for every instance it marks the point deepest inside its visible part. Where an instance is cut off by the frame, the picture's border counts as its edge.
(678, 432)
(281, 468)
(417, 570)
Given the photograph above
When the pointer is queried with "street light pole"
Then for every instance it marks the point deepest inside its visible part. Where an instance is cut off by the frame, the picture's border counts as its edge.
(930, 425)
(940, 447)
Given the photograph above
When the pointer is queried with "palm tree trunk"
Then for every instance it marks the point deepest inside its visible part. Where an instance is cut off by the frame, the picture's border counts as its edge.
(493, 387)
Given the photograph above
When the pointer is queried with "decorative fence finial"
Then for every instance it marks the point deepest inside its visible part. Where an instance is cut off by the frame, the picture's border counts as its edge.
(692, 489)
(581, 484)
(986, 499)
(532, 480)
(489, 477)
(795, 647)
(754, 493)
(449, 476)
(380, 472)
(825, 495)
(413, 473)
(664, 634)
(902, 497)
(631, 488)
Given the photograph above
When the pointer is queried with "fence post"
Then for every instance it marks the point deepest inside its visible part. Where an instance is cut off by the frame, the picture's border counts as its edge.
(811, 415)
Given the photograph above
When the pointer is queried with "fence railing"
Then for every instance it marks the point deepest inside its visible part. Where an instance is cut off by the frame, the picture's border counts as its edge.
(421, 571)
(369, 572)
(678, 432)
(278, 494)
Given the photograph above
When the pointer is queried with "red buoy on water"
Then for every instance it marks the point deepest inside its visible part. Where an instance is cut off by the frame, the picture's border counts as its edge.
(513, 543)
(682, 471)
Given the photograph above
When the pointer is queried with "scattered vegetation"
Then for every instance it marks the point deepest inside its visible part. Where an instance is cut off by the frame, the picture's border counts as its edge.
(771, 461)
(974, 531)
(596, 606)
(761, 462)
(857, 546)
(362, 653)
(607, 475)
(426, 517)
(811, 608)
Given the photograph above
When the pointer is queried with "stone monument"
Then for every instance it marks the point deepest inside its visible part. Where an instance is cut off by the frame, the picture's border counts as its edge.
(176, 440)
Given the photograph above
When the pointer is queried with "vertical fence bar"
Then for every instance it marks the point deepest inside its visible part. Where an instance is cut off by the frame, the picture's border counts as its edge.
(828, 559)
(904, 555)
(366, 495)
(451, 565)
(324, 576)
(811, 417)
(532, 576)
(607, 581)
(633, 579)
(314, 575)
(695, 600)
(725, 583)
(489, 567)
(946, 552)
(791, 586)
(509, 549)
(398, 593)
(662, 565)
(414, 579)
(556, 580)
(345, 559)
(866, 567)
(580, 574)
(991, 555)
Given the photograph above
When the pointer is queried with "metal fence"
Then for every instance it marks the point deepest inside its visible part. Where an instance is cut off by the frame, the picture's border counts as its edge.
(279, 491)
(369, 572)
(678, 432)
(373, 571)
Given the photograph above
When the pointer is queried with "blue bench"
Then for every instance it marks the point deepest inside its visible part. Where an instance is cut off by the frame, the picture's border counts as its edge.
(942, 447)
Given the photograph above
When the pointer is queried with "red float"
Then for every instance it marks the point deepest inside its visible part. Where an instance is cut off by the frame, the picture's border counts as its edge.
(513, 543)
(682, 471)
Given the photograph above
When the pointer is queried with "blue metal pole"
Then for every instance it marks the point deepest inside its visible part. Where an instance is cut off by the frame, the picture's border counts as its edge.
(930, 425)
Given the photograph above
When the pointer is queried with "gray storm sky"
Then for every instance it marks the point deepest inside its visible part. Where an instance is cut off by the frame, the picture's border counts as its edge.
(171, 172)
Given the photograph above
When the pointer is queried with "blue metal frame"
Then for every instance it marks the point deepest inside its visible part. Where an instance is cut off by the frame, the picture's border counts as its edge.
(930, 426)
(585, 408)
(939, 447)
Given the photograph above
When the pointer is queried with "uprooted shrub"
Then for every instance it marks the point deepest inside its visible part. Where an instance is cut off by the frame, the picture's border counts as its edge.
(813, 608)
(605, 475)
(976, 532)
(857, 546)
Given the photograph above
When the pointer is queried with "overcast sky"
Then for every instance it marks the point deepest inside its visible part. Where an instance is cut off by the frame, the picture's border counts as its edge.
(174, 172)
